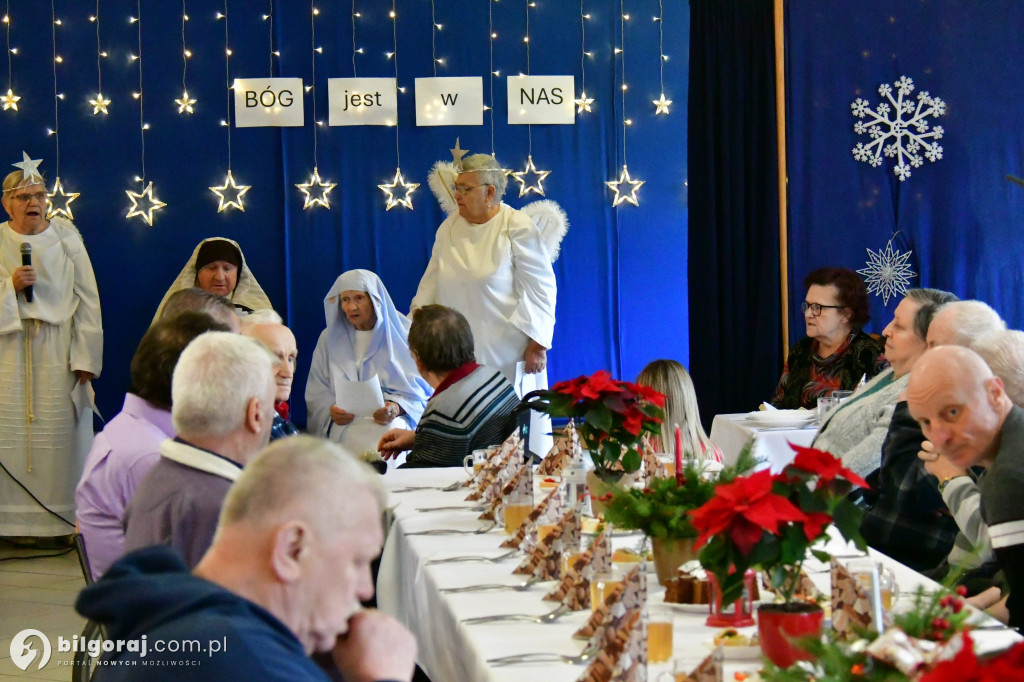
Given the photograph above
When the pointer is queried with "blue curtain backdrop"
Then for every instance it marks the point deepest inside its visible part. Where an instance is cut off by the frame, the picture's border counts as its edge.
(622, 272)
(960, 216)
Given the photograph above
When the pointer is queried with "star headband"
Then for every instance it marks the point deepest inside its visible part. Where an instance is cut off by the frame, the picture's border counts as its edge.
(30, 172)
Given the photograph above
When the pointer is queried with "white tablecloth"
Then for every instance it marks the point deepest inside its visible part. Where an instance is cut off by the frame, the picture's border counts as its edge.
(450, 651)
(731, 432)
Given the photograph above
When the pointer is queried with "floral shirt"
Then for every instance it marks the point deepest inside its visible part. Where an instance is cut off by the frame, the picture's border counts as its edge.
(807, 376)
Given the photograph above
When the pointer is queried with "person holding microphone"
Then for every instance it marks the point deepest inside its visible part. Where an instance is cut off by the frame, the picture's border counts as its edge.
(51, 347)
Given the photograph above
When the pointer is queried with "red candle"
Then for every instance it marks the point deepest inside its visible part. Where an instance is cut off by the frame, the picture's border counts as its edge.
(679, 455)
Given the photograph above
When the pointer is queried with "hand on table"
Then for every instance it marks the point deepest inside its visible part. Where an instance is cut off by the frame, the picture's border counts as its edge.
(340, 416)
(937, 464)
(395, 442)
(535, 359)
(376, 647)
(387, 414)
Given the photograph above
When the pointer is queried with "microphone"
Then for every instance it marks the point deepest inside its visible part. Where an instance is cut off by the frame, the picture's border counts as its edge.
(26, 259)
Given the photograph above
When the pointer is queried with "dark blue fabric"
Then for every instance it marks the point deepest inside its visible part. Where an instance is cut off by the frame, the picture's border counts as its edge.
(960, 216)
(733, 240)
(151, 593)
(622, 273)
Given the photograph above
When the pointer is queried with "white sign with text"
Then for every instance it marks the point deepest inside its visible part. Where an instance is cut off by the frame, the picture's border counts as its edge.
(541, 99)
(362, 101)
(261, 102)
(450, 101)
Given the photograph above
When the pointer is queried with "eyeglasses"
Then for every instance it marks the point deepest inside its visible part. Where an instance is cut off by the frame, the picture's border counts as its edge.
(462, 189)
(38, 196)
(816, 308)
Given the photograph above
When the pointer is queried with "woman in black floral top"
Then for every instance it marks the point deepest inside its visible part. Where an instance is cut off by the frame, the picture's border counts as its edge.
(836, 353)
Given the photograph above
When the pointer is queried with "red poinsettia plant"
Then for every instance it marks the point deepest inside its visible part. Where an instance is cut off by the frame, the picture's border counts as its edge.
(611, 415)
(770, 522)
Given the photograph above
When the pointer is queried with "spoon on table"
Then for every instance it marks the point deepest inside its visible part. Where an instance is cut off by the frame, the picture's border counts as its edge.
(525, 585)
(549, 617)
(457, 559)
(447, 488)
(583, 657)
(451, 531)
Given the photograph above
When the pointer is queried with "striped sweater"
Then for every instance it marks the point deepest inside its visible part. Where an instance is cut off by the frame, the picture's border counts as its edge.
(474, 412)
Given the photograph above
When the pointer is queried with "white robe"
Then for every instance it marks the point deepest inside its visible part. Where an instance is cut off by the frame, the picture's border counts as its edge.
(499, 275)
(63, 329)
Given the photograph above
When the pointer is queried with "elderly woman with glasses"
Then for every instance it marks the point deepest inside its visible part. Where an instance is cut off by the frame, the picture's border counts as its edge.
(51, 346)
(836, 353)
(490, 263)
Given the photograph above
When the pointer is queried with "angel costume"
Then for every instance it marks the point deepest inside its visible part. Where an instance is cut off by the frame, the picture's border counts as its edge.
(499, 275)
(46, 421)
(247, 296)
(345, 354)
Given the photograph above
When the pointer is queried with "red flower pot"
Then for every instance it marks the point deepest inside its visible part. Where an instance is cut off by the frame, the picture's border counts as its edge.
(781, 626)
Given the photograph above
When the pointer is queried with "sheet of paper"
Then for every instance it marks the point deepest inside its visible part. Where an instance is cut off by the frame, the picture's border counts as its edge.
(361, 398)
(83, 397)
(361, 436)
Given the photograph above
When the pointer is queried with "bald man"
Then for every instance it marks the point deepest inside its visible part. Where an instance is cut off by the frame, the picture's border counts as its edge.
(266, 326)
(965, 413)
(283, 579)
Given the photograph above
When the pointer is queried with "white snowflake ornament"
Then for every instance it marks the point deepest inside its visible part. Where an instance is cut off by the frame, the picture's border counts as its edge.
(904, 134)
(887, 273)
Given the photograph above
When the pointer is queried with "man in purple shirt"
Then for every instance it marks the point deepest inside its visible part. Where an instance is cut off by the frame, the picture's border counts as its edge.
(127, 447)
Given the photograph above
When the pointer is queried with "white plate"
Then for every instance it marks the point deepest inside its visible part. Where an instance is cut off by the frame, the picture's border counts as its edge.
(688, 608)
(789, 422)
(736, 653)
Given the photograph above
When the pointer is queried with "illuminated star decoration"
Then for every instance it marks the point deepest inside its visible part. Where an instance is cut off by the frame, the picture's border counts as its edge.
(409, 188)
(29, 167)
(887, 273)
(521, 177)
(185, 103)
(316, 191)
(625, 194)
(143, 204)
(583, 103)
(662, 105)
(60, 201)
(10, 100)
(230, 194)
(99, 104)
(457, 155)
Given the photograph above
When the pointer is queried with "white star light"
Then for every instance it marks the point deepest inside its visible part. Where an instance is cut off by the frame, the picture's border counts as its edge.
(627, 194)
(230, 195)
(99, 104)
(409, 187)
(10, 100)
(29, 167)
(887, 273)
(316, 191)
(60, 201)
(185, 103)
(661, 105)
(583, 103)
(144, 204)
(521, 177)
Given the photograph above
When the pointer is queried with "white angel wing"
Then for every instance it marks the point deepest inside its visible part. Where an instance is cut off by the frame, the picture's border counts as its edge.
(441, 179)
(551, 221)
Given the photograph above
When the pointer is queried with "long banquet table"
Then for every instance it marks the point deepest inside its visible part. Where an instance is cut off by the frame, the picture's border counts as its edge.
(450, 651)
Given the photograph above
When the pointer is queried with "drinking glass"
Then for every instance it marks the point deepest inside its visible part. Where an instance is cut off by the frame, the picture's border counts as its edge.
(475, 462)
(603, 584)
(659, 634)
(517, 507)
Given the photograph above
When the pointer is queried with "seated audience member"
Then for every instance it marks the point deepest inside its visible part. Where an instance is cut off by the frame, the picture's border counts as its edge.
(671, 379)
(218, 266)
(906, 517)
(265, 326)
(1003, 352)
(961, 322)
(473, 406)
(197, 300)
(855, 430)
(282, 580)
(836, 353)
(967, 416)
(365, 336)
(222, 408)
(128, 446)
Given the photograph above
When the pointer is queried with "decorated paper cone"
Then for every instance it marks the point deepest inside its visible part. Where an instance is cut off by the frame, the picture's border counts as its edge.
(629, 596)
(851, 608)
(551, 501)
(652, 466)
(709, 670)
(574, 589)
